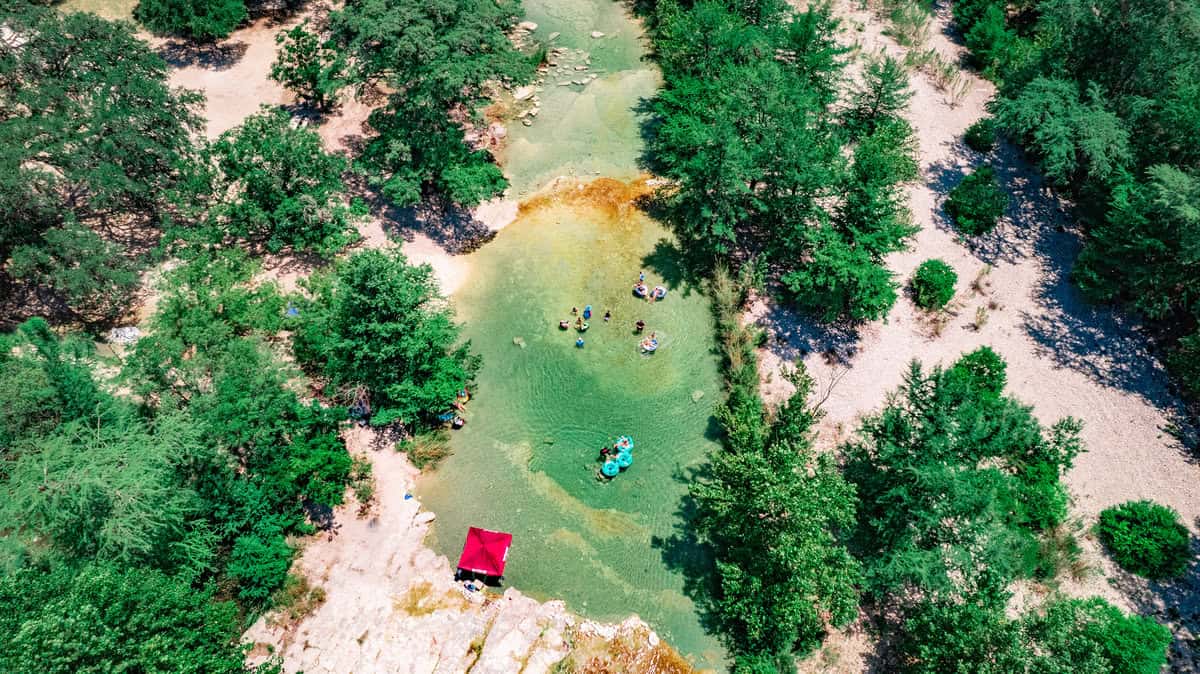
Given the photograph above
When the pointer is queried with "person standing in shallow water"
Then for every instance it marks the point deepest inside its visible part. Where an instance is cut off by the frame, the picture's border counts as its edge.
(640, 325)
(607, 315)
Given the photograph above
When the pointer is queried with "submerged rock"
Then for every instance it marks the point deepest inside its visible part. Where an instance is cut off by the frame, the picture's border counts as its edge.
(597, 34)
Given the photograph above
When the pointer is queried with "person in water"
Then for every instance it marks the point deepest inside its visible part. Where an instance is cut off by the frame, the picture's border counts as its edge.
(587, 311)
(579, 342)
(640, 325)
(607, 315)
(574, 310)
(642, 277)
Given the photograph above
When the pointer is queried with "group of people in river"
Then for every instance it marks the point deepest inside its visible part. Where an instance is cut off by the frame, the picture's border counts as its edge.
(616, 458)
(648, 345)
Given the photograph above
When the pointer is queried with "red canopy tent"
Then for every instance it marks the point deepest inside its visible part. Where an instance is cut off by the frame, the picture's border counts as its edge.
(485, 552)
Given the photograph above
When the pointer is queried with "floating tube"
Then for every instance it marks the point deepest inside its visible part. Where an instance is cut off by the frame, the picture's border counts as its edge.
(579, 342)
(587, 312)
(624, 460)
(659, 292)
(625, 443)
(649, 345)
(640, 290)
(582, 327)
(610, 469)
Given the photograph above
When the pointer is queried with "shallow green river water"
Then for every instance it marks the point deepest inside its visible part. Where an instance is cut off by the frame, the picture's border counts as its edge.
(526, 461)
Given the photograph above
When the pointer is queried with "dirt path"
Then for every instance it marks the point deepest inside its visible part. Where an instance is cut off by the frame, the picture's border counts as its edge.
(1064, 356)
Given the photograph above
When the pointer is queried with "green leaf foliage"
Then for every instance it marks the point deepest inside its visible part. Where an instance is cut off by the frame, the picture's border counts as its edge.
(105, 618)
(287, 191)
(952, 479)
(933, 284)
(201, 20)
(91, 135)
(1105, 95)
(435, 56)
(774, 512)
(978, 202)
(308, 65)
(379, 323)
(1067, 635)
(1145, 538)
(759, 160)
(981, 135)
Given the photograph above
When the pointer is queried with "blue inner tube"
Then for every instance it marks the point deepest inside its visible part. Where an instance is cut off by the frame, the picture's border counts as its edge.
(659, 292)
(610, 469)
(639, 290)
(624, 460)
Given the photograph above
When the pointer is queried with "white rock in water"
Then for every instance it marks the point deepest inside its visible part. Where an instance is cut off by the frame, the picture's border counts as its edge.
(553, 35)
(581, 68)
(424, 518)
(523, 93)
(597, 34)
(697, 395)
(527, 25)
(526, 122)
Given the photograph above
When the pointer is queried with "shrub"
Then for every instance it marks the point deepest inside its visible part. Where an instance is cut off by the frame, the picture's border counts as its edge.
(933, 284)
(977, 202)
(984, 369)
(981, 136)
(1145, 538)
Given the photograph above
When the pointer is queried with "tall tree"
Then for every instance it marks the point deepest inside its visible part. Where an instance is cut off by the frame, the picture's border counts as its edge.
(377, 322)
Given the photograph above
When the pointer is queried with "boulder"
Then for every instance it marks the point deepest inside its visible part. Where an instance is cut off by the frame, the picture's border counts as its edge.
(523, 93)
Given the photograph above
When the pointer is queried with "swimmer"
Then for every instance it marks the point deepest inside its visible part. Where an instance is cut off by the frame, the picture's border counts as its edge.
(652, 336)
(642, 277)
(607, 314)
(640, 325)
(574, 310)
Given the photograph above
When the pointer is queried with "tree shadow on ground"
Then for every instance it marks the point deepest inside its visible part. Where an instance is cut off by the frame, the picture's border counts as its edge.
(210, 56)
(794, 335)
(683, 552)
(1173, 603)
(1030, 205)
(451, 226)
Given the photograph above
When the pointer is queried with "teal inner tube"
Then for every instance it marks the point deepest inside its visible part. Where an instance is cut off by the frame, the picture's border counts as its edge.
(624, 460)
(610, 469)
(625, 443)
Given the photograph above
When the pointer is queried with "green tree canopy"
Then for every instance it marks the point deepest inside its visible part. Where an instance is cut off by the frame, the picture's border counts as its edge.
(377, 322)
(288, 191)
(202, 20)
(91, 135)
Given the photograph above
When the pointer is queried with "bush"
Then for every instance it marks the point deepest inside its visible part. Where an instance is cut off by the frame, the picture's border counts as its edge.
(977, 202)
(981, 136)
(984, 369)
(203, 20)
(933, 284)
(1145, 538)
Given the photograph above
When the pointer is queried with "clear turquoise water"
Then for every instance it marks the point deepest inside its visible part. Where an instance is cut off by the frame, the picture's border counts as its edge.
(526, 461)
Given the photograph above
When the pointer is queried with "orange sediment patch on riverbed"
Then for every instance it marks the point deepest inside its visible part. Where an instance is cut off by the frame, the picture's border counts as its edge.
(615, 198)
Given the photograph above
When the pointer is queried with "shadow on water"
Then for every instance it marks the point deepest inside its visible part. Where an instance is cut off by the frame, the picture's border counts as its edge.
(668, 261)
(683, 552)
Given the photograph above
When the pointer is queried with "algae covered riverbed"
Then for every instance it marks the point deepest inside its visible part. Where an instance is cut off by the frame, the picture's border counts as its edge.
(526, 462)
